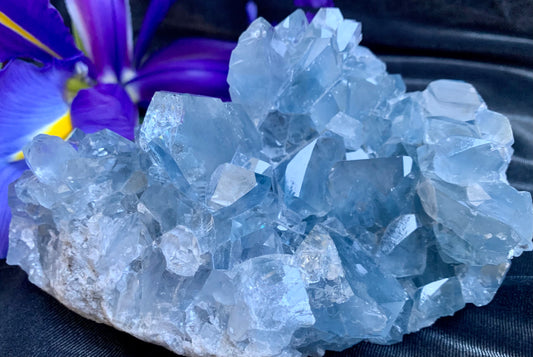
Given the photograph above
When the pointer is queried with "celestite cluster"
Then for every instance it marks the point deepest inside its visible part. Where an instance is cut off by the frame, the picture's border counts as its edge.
(322, 207)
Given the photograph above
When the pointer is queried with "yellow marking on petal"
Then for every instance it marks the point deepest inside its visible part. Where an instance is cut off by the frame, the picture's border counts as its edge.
(17, 156)
(74, 85)
(13, 26)
(62, 127)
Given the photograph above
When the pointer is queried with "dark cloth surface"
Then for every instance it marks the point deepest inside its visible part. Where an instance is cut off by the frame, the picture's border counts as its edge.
(486, 43)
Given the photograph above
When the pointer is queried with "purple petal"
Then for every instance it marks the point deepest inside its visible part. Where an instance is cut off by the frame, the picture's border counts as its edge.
(105, 106)
(32, 103)
(310, 16)
(157, 10)
(33, 29)
(9, 172)
(314, 3)
(195, 77)
(197, 66)
(104, 27)
(190, 49)
(251, 11)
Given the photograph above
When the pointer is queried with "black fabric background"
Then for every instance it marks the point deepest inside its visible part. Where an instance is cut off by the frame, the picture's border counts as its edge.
(488, 43)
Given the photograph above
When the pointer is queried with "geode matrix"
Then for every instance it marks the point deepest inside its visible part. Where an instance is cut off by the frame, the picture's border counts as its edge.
(322, 207)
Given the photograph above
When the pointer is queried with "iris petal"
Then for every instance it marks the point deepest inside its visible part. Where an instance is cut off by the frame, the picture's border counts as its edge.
(33, 29)
(105, 106)
(197, 66)
(251, 11)
(154, 15)
(190, 49)
(32, 103)
(9, 172)
(104, 27)
(314, 3)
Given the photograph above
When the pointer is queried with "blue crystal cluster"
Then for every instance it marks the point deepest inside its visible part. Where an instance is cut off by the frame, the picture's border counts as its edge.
(324, 206)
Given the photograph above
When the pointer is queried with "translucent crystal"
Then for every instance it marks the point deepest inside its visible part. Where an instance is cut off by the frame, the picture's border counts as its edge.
(304, 179)
(324, 206)
(452, 99)
(48, 157)
(180, 248)
(230, 184)
(200, 133)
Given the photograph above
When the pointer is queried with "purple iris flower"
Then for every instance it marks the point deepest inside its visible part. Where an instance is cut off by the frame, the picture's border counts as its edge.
(252, 11)
(314, 3)
(48, 85)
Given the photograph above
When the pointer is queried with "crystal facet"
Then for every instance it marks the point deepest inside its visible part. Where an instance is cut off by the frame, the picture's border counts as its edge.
(324, 206)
